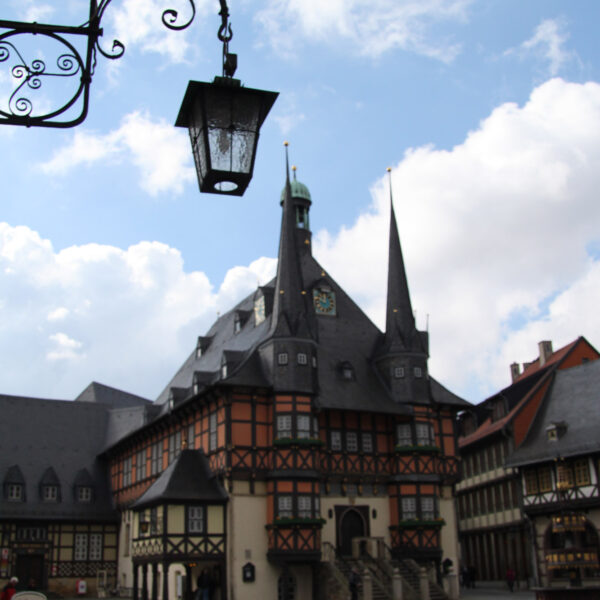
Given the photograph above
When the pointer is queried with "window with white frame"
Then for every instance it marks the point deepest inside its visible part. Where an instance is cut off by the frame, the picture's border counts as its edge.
(80, 551)
(15, 492)
(140, 465)
(212, 433)
(50, 493)
(302, 358)
(408, 506)
(95, 549)
(127, 465)
(305, 507)
(303, 427)
(367, 442)
(84, 493)
(427, 508)
(195, 519)
(282, 358)
(191, 434)
(284, 427)
(424, 433)
(418, 372)
(336, 440)
(156, 458)
(174, 445)
(284, 507)
(398, 372)
(404, 434)
(223, 370)
(352, 441)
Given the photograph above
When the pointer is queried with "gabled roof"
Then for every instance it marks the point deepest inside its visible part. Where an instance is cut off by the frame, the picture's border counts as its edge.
(187, 479)
(104, 394)
(573, 399)
(533, 366)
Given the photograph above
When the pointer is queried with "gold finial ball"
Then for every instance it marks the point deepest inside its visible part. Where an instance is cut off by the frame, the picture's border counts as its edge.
(286, 144)
(389, 169)
(294, 167)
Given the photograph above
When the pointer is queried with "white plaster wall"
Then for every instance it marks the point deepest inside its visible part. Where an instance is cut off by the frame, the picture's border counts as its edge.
(449, 533)
(124, 563)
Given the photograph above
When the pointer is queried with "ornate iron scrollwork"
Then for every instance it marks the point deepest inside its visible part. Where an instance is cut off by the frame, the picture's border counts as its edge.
(28, 75)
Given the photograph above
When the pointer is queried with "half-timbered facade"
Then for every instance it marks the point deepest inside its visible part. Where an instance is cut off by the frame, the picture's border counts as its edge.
(559, 467)
(309, 427)
(495, 533)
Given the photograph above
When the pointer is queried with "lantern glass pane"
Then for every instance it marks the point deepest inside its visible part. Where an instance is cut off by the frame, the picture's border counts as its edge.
(242, 151)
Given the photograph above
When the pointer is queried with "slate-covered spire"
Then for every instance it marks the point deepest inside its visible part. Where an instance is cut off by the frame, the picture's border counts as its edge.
(400, 330)
(290, 317)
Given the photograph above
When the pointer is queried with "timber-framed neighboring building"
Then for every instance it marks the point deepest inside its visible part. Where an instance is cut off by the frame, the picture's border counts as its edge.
(296, 430)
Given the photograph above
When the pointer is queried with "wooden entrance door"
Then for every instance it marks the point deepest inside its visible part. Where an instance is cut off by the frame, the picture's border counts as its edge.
(352, 521)
(30, 571)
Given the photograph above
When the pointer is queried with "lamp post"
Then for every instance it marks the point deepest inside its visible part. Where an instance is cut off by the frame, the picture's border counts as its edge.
(223, 117)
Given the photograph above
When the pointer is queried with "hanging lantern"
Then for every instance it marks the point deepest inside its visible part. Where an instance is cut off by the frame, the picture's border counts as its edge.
(224, 120)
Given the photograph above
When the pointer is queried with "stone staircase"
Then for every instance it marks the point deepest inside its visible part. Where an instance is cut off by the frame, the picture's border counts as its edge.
(381, 572)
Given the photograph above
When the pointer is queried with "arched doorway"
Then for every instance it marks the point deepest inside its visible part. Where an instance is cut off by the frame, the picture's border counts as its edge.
(352, 521)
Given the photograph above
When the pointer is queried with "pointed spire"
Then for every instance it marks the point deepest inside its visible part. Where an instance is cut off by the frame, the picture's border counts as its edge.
(289, 305)
(400, 330)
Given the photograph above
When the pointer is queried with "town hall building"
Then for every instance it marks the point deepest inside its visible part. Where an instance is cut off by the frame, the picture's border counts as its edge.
(296, 441)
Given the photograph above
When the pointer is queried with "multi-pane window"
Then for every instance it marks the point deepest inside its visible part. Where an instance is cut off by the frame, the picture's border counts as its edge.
(581, 469)
(404, 434)
(195, 519)
(80, 551)
(284, 427)
(303, 426)
(127, 465)
(174, 446)
(155, 459)
(409, 508)
(545, 479)
(191, 434)
(140, 465)
(367, 442)
(212, 431)
(427, 508)
(398, 372)
(564, 476)
(424, 433)
(302, 358)
(352, 441)
(284, 506)
(95, 549)
(84, 493)
(50, 493)
(336, 440)
(418, 372)
(305, 507)
(15, 492)
(282, 358)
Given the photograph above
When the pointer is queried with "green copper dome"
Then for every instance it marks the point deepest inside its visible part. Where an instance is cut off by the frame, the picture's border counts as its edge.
(299, 190)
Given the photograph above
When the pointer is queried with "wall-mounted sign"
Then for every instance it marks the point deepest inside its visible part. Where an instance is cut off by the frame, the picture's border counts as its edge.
(248, 573)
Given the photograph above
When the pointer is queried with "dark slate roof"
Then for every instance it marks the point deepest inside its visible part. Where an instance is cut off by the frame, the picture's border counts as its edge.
(104, 394)
(572, 398)
(349, 337)
(43, 436)
(187, 479)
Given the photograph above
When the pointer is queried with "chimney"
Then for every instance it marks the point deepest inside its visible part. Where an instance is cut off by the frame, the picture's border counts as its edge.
(545, 351)
(515, 371)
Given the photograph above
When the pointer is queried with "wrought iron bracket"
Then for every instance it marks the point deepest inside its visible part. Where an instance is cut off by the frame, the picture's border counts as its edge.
(18, 108)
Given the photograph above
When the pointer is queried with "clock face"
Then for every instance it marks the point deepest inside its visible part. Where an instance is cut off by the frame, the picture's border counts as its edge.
(259, 310)
(324, 301)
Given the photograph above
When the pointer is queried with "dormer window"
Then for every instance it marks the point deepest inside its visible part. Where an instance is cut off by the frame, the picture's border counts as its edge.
(555, 431)
(282, 358)
(50, 493)
(347, 371)
(259, 310)
(237, 324)
(398, 372)
(498, 409)
(84, 494)
(14, 492)
(418, 372)
(223, 370)
(302, 358)
(202, 345)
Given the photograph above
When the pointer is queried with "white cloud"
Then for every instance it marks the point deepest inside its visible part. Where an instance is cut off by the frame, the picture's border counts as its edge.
(492, 231)
(371, 28)
(547, 43)
(157, 149)
(127, 318)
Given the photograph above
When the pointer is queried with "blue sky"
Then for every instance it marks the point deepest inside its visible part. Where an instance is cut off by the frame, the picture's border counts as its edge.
(112, 263)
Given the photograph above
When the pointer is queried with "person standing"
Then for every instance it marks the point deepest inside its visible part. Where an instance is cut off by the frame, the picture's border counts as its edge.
(354, 581)
(9, 589)
(510, 578)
